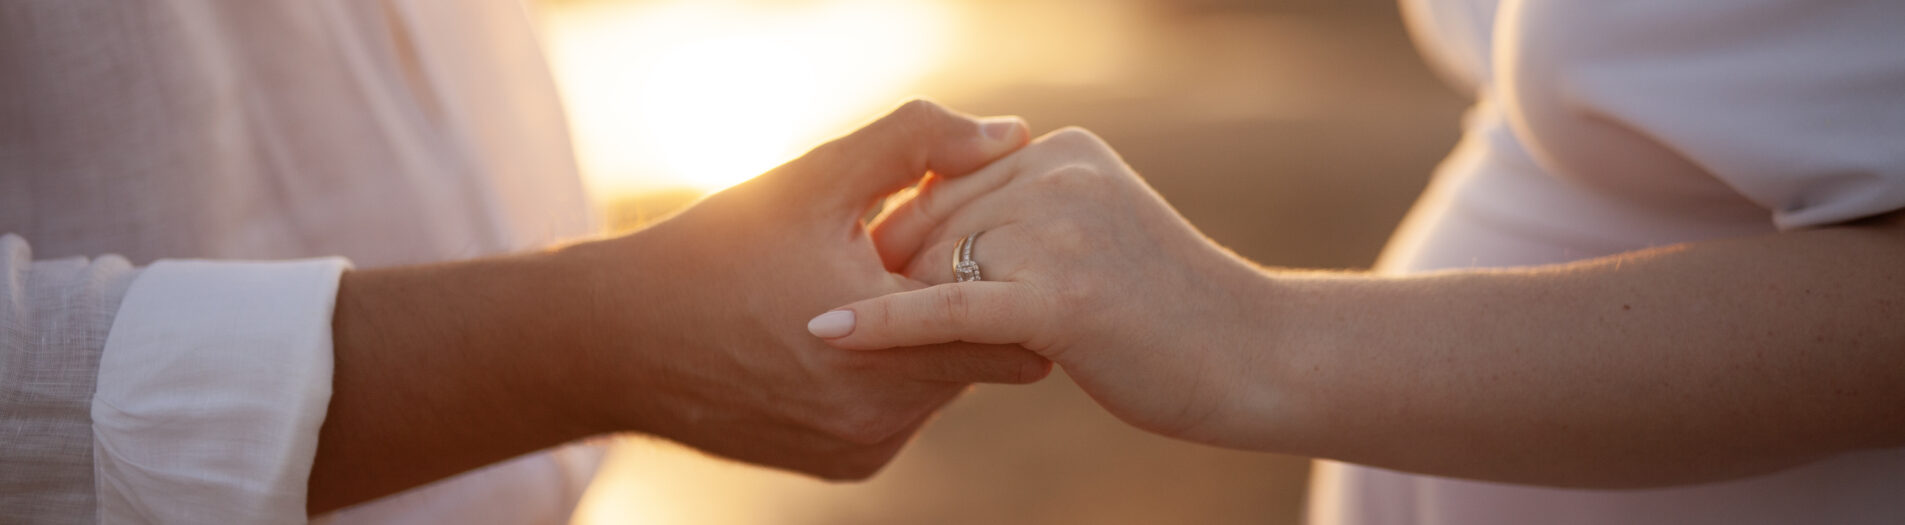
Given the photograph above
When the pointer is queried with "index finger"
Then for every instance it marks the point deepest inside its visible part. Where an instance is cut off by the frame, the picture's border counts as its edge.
(979, 312)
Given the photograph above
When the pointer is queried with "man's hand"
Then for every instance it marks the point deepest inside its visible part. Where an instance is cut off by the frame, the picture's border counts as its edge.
(692, 330)
(736, 278)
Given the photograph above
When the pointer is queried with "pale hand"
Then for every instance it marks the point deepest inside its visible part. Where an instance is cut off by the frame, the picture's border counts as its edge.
(1082, 263)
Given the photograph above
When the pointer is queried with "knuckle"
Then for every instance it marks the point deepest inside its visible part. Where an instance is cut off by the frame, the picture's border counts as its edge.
(883, 321)
(956, 306)
(906, 124)
(1077, 140)
(1102, 179)
(1080, 182)
(1071, 173)
(1072, 135)
(917, 113)
(917, 107)
(1065, 181)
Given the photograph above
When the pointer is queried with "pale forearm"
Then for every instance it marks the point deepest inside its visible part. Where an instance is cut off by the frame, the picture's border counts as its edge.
(1704, 362)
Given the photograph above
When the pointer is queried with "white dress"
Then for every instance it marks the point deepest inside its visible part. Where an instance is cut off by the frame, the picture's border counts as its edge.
(1614, 125)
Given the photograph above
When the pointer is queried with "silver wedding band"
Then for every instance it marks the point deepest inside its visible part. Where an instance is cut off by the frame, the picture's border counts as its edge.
(964, 268)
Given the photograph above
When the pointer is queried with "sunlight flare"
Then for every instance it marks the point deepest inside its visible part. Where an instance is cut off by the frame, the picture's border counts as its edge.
(706, 94)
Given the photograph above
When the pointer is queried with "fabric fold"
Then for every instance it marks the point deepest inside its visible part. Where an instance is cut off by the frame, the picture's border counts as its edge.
(213, 384)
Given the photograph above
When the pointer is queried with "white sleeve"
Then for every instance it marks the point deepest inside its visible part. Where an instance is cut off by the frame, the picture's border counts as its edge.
(214, 381)
(1804, 107)
(54, 316)
(1797, 105)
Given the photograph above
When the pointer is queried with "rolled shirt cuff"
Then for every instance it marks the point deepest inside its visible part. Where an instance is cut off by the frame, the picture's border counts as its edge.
(214, 381)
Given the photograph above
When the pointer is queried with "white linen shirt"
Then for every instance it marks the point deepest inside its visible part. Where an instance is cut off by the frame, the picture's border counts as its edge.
(189, 137)
(1615, 125)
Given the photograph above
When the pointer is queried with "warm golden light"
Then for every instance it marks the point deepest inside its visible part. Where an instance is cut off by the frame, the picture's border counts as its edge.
(705, 94)
(672, 99)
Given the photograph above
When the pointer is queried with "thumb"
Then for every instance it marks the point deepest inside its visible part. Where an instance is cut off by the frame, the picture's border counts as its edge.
(980, 312)
(853, 171)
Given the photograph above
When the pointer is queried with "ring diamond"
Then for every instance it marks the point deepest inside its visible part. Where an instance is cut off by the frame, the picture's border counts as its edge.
(964, 268)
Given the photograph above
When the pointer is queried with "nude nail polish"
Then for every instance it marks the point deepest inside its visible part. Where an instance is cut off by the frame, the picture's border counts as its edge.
(831, 325)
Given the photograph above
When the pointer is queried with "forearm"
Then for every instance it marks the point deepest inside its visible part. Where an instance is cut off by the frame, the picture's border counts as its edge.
(442, 369)
(1705, 362)
(689, 330)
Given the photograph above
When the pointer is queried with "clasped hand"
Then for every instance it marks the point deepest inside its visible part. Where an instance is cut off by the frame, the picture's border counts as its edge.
(1084, 264)
(713, 300)
(725, 288)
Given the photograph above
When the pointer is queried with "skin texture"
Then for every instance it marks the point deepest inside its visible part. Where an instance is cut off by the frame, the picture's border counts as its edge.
(690, 330)
(1685, 364)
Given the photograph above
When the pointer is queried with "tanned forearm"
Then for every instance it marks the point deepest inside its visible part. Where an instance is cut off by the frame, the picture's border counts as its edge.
(1694, 363)
(690, 330)
(441, 369)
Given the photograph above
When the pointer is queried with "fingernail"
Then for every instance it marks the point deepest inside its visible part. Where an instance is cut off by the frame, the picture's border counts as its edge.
(1000, 129)
(830, 325)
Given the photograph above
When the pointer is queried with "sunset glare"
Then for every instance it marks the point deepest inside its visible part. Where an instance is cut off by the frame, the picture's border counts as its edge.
(1256, 119)
(706, 94)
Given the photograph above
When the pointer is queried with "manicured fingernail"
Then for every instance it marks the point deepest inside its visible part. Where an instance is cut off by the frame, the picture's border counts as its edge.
(1000, 129)
(830, 325)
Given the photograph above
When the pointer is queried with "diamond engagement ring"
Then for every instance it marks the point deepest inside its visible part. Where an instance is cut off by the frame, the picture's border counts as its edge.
(964, 268)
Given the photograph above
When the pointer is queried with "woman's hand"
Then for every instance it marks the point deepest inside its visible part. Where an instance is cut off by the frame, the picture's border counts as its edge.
(1691, 363)
(1082, 263)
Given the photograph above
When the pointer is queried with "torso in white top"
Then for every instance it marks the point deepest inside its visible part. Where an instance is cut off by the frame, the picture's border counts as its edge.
(385, 131)
(1610, 126)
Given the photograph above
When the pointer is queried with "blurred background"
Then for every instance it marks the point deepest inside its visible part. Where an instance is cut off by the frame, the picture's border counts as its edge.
(1296, 132)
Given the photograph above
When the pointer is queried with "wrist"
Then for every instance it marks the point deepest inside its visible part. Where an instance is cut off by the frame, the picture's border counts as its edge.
(1300, 374)
(610, 315)
(1267, 361)
(533, 321)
